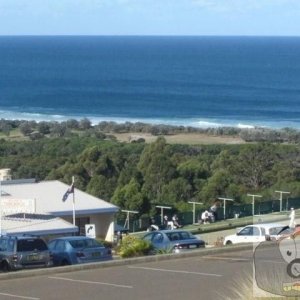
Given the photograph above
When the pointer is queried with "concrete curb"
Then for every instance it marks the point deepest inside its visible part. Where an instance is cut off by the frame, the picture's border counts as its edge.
(122, 262)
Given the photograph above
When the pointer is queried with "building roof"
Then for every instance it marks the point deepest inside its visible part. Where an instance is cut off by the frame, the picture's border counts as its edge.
(48, 198)
(37, 225)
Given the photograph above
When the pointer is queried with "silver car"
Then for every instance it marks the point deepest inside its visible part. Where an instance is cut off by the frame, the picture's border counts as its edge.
(20, 252)
(174, 241)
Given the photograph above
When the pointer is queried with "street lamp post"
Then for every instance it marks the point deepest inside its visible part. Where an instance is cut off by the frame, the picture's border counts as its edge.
(224, 204)
(281, 192)
(194, 209)
(253, 200)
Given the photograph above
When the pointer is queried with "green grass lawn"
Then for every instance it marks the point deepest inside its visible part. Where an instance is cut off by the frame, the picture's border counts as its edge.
(232, 223)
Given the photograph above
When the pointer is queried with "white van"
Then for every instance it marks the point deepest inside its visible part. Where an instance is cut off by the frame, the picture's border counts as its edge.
(254, 234)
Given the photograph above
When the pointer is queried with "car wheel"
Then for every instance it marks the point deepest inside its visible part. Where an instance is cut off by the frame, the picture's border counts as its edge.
(293, 268)
(5, 267)
(229, 243)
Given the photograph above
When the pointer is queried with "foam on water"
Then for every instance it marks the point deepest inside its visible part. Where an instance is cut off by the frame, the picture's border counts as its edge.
(186, 122)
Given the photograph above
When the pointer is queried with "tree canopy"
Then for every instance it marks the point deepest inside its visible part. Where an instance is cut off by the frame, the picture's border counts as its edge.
(138, 176)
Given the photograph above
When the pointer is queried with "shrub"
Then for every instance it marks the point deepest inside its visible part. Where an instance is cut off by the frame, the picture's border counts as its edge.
(132, 246)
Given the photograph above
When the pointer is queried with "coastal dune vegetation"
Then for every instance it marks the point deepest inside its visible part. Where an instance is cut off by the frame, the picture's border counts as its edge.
(137, 175)
(35, 130)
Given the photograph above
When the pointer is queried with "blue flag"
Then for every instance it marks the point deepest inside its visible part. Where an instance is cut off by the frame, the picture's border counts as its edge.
(68, 192)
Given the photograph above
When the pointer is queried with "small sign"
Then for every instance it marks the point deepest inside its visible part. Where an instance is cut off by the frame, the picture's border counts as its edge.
(11, 206)
(90, 230)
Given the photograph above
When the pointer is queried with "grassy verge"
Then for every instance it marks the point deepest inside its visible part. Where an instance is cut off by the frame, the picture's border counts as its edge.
(182, 138)
(231, 223)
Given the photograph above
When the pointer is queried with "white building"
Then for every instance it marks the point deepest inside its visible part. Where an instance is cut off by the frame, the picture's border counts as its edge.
(30, 197)
(5, 174)
(42, 225)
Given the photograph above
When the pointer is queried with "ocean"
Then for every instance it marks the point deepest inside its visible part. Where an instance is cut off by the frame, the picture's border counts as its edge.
(190, 81)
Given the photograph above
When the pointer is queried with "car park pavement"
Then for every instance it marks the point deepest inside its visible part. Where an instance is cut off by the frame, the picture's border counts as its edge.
(199, 274)
(211, 273)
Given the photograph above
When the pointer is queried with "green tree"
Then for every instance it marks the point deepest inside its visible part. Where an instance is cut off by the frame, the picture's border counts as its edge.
(130, 197)
(177, 190)
(43, 127)
(85, 124)
(157, 169)
(215, 187)
(252, 165)
(26, 128)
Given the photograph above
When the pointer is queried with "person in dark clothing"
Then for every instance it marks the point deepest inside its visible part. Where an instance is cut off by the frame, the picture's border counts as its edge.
(152, 225)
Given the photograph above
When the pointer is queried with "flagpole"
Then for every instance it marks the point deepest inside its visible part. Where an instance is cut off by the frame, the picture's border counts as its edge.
(73, 181)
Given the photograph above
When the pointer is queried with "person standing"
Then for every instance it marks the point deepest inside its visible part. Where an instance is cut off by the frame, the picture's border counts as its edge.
(165, 222)
(292, 218)
(152, 225)
(213, 210)
(175, 221)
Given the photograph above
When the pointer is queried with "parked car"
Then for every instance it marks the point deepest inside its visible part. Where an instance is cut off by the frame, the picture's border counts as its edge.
(254, 234)
(287, 233)
(77, 250)
(173, 240)
(20, 252)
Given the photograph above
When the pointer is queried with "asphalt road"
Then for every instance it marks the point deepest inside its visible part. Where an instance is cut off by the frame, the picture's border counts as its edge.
(202, 277)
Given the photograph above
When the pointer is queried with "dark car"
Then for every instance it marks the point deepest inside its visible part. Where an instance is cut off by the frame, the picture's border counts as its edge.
(175, 241)
(20, 252)
(77, 250)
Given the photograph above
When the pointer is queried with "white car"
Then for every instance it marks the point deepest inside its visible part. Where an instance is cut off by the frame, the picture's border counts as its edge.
(254, 234)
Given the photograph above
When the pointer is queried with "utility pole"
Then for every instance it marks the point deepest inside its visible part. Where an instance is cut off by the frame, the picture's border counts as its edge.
(224, 204)
(280, 199)
(194, 209)
(162, 212)
(253, 200)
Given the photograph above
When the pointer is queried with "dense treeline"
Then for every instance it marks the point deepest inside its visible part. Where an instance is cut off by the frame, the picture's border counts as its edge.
(37, 130)
(138, 176)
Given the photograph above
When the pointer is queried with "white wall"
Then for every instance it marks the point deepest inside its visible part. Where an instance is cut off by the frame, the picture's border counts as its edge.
(104, 224)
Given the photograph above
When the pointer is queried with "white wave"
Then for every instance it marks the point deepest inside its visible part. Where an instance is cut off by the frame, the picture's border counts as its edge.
(245, 126)
(12, 115)
(186, 122)
(208, 124)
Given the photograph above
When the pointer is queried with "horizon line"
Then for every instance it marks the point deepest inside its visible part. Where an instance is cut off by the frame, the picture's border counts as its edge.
(147, 35)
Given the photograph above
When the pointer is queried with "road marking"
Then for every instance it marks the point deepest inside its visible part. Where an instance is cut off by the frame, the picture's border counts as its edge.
(228, 258)
(270, 261)
(176, 271)
(17, 296)
(93, 282)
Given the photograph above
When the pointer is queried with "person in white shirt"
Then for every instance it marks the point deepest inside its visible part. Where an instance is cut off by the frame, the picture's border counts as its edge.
(205, 217)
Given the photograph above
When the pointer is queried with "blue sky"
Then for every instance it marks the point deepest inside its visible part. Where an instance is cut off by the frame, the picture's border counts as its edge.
(150, 17)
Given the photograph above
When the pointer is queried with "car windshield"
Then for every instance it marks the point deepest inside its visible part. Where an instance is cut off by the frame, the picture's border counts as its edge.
(31, 245)
(85, 243)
